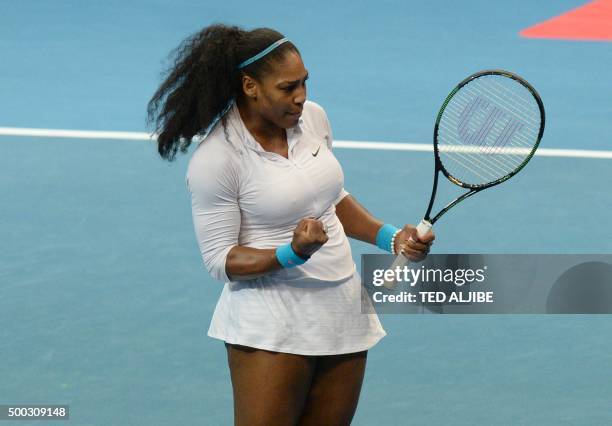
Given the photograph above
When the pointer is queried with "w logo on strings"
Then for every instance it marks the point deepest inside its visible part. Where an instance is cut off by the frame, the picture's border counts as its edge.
(480, 120)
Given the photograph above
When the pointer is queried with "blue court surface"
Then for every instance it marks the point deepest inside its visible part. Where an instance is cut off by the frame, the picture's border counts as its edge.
(104, 301)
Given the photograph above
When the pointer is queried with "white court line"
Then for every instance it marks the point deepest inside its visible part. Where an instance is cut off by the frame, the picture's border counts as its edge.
(80, 134)
(385, 146)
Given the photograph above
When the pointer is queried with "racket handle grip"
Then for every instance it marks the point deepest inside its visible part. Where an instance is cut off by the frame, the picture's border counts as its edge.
(422, 229)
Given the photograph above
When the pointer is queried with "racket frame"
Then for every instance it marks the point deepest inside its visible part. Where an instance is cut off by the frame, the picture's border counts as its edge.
(475, 188)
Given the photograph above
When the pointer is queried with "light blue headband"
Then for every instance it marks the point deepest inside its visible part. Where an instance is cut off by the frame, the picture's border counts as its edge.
(262, 53)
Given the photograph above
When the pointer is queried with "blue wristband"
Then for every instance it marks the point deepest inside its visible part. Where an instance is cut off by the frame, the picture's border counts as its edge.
(287, 257)
(385, 236)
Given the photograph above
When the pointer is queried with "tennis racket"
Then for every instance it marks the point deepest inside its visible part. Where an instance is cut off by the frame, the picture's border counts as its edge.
(487, 130)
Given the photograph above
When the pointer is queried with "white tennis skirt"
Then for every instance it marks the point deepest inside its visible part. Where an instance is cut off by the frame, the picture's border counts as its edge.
(308, 317)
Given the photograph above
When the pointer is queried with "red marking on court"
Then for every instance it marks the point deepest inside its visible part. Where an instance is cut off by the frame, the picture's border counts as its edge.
(592, 21)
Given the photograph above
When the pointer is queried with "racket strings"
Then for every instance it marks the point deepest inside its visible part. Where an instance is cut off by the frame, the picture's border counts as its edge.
(515, 106)
(471, 166)
(488, 130)
(524, 101)
(505, 160)
(468, 168)
(495, 161)
(504, 132)
(520, 138)
(486, 171)
(521, 145)
(494, 166)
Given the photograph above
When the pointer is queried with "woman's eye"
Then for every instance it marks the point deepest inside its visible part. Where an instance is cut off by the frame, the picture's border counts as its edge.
(292, 87)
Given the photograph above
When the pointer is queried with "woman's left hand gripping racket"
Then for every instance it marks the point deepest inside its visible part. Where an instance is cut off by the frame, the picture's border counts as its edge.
(487, 130)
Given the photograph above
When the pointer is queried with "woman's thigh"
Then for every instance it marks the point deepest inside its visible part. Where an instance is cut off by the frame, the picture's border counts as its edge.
(335, 388)
(270, 388)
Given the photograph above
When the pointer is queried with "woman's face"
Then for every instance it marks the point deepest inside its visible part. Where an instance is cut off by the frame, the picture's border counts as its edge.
(281, 94)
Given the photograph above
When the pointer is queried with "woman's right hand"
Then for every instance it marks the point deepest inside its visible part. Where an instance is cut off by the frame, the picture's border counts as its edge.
(308, 237)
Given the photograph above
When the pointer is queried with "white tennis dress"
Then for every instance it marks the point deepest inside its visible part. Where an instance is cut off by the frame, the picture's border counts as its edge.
(244, 195)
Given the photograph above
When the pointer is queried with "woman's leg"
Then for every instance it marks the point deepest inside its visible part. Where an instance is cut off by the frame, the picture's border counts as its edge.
(335, 389)
(270, 388)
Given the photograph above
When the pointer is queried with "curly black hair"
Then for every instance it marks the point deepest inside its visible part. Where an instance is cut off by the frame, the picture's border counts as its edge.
(204, 78)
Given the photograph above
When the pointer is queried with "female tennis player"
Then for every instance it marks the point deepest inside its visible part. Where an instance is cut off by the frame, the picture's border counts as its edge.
(272, 218)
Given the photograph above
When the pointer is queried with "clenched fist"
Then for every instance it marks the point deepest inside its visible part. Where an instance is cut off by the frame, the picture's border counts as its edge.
(308, 237)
